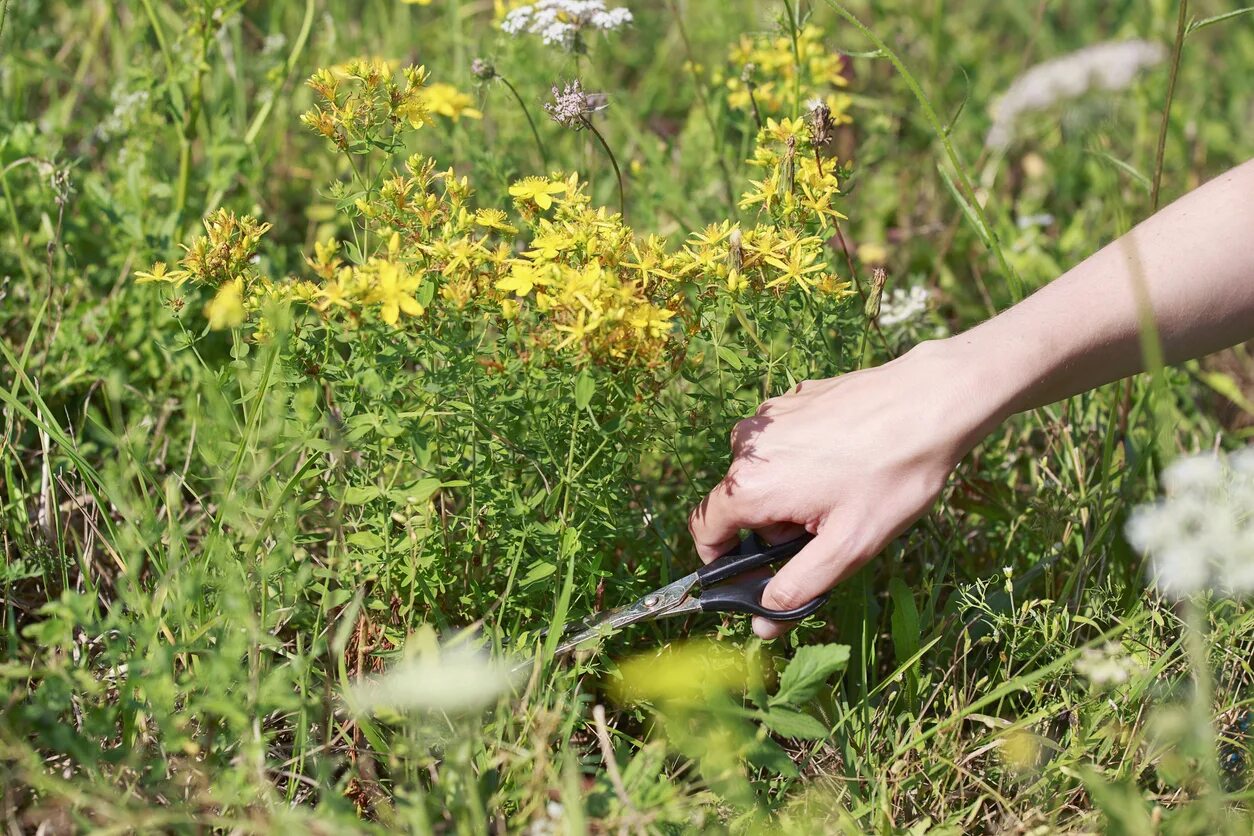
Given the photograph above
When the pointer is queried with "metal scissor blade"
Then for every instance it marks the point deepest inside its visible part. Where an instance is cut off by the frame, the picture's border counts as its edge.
(671, 599)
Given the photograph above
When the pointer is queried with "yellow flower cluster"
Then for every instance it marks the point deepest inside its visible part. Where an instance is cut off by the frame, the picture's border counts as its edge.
(565, 276)
(600, 290)
(223, 259)
(798, 187)
(763, 76)
(360, 102)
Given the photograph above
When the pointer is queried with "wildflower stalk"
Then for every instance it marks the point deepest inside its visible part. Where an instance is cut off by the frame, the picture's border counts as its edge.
(790, 14)
(1203, 697)
(706, 109)
(17, 226)
(535, 133)
(977, 215)
(293, 57)
(191, 118)
(622, 202)
(1181, 27)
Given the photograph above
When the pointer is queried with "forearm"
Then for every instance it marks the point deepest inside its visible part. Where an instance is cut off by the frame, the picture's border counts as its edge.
(1190, 267)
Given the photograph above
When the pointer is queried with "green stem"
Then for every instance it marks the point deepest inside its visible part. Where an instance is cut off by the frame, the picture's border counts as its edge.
(289, 66)
(706, 109)
(929, 112)
(534, 132)
(1181, 26)
(1195, 629)
(622, 201)
(796, 55)
(159, 33)
(22, 254)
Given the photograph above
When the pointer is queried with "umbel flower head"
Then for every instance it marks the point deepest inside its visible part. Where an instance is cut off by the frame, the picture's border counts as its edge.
(571, 106)
(1200, 535)
(1108, 66)
(563, 22)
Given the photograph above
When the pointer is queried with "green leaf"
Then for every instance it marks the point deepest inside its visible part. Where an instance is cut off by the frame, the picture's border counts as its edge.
(365, 540)
(1228, 388)
(795, 724)
(538, 572)
(1125, 809)
(768, 755)
(359, 494)
(905, 620)
(585, 386)
(808, 670)
(730, 357)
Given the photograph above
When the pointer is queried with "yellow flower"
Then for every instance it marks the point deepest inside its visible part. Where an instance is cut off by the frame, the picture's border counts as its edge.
(799, 267)
(579, 330)
(522, 279)
(392, 290)
(649, 319)
(872, 253)
(334, 294)
(226, 308)
(538, 190)
(416, 2)
(160, 273)
(494, 219)
(447, 101)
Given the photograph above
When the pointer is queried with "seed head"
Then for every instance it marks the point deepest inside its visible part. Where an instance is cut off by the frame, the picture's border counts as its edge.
(571, 106)
(819, 120)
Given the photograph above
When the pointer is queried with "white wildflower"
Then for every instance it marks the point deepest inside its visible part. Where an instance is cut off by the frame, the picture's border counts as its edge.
(562, 22)
(1039, 219)
(450, 679)
(1108, 66)
(1200, 535)
(550, 821)
(127, 107)
(1107, 666)
(274, 43)
(572, 105)
(903, 306)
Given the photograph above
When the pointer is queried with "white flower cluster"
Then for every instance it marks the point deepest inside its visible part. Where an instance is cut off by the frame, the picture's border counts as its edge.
(1107, 66)
(560, 22)
(1200, 535)
(1107, 666)
(127, 107)
(903, 306)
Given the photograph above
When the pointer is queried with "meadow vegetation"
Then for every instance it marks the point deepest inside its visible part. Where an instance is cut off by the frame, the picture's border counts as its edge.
(347, 348)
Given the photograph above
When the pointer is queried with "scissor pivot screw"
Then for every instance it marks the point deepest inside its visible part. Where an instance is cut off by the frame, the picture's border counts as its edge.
(651, 601)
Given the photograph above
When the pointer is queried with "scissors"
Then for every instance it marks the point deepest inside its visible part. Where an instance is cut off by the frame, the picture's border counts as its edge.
(715, 587)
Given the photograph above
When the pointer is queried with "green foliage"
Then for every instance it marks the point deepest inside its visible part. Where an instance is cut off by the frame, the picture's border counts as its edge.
(258, 543)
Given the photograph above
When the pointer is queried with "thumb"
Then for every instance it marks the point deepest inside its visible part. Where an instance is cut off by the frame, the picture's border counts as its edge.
(814, 570)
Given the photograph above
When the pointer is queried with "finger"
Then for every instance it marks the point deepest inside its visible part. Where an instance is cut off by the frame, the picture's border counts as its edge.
(716, 523)
(818, 567)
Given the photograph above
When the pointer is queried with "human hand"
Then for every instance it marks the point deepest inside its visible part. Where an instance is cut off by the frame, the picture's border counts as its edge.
(854, 460)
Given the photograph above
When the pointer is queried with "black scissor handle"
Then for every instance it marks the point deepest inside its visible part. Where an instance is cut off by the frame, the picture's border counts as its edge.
(745, 595)
(720, 593)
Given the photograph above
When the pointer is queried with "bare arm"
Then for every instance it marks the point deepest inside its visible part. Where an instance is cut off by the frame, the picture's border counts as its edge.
(858, 458)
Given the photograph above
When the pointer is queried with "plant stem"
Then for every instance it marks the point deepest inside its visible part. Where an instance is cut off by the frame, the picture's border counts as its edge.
(706, 109)
(1181, 26)
(1195, 629)
(964, 180)
(544, 156)
(622, 201)
(796, 55)
(289, 66)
